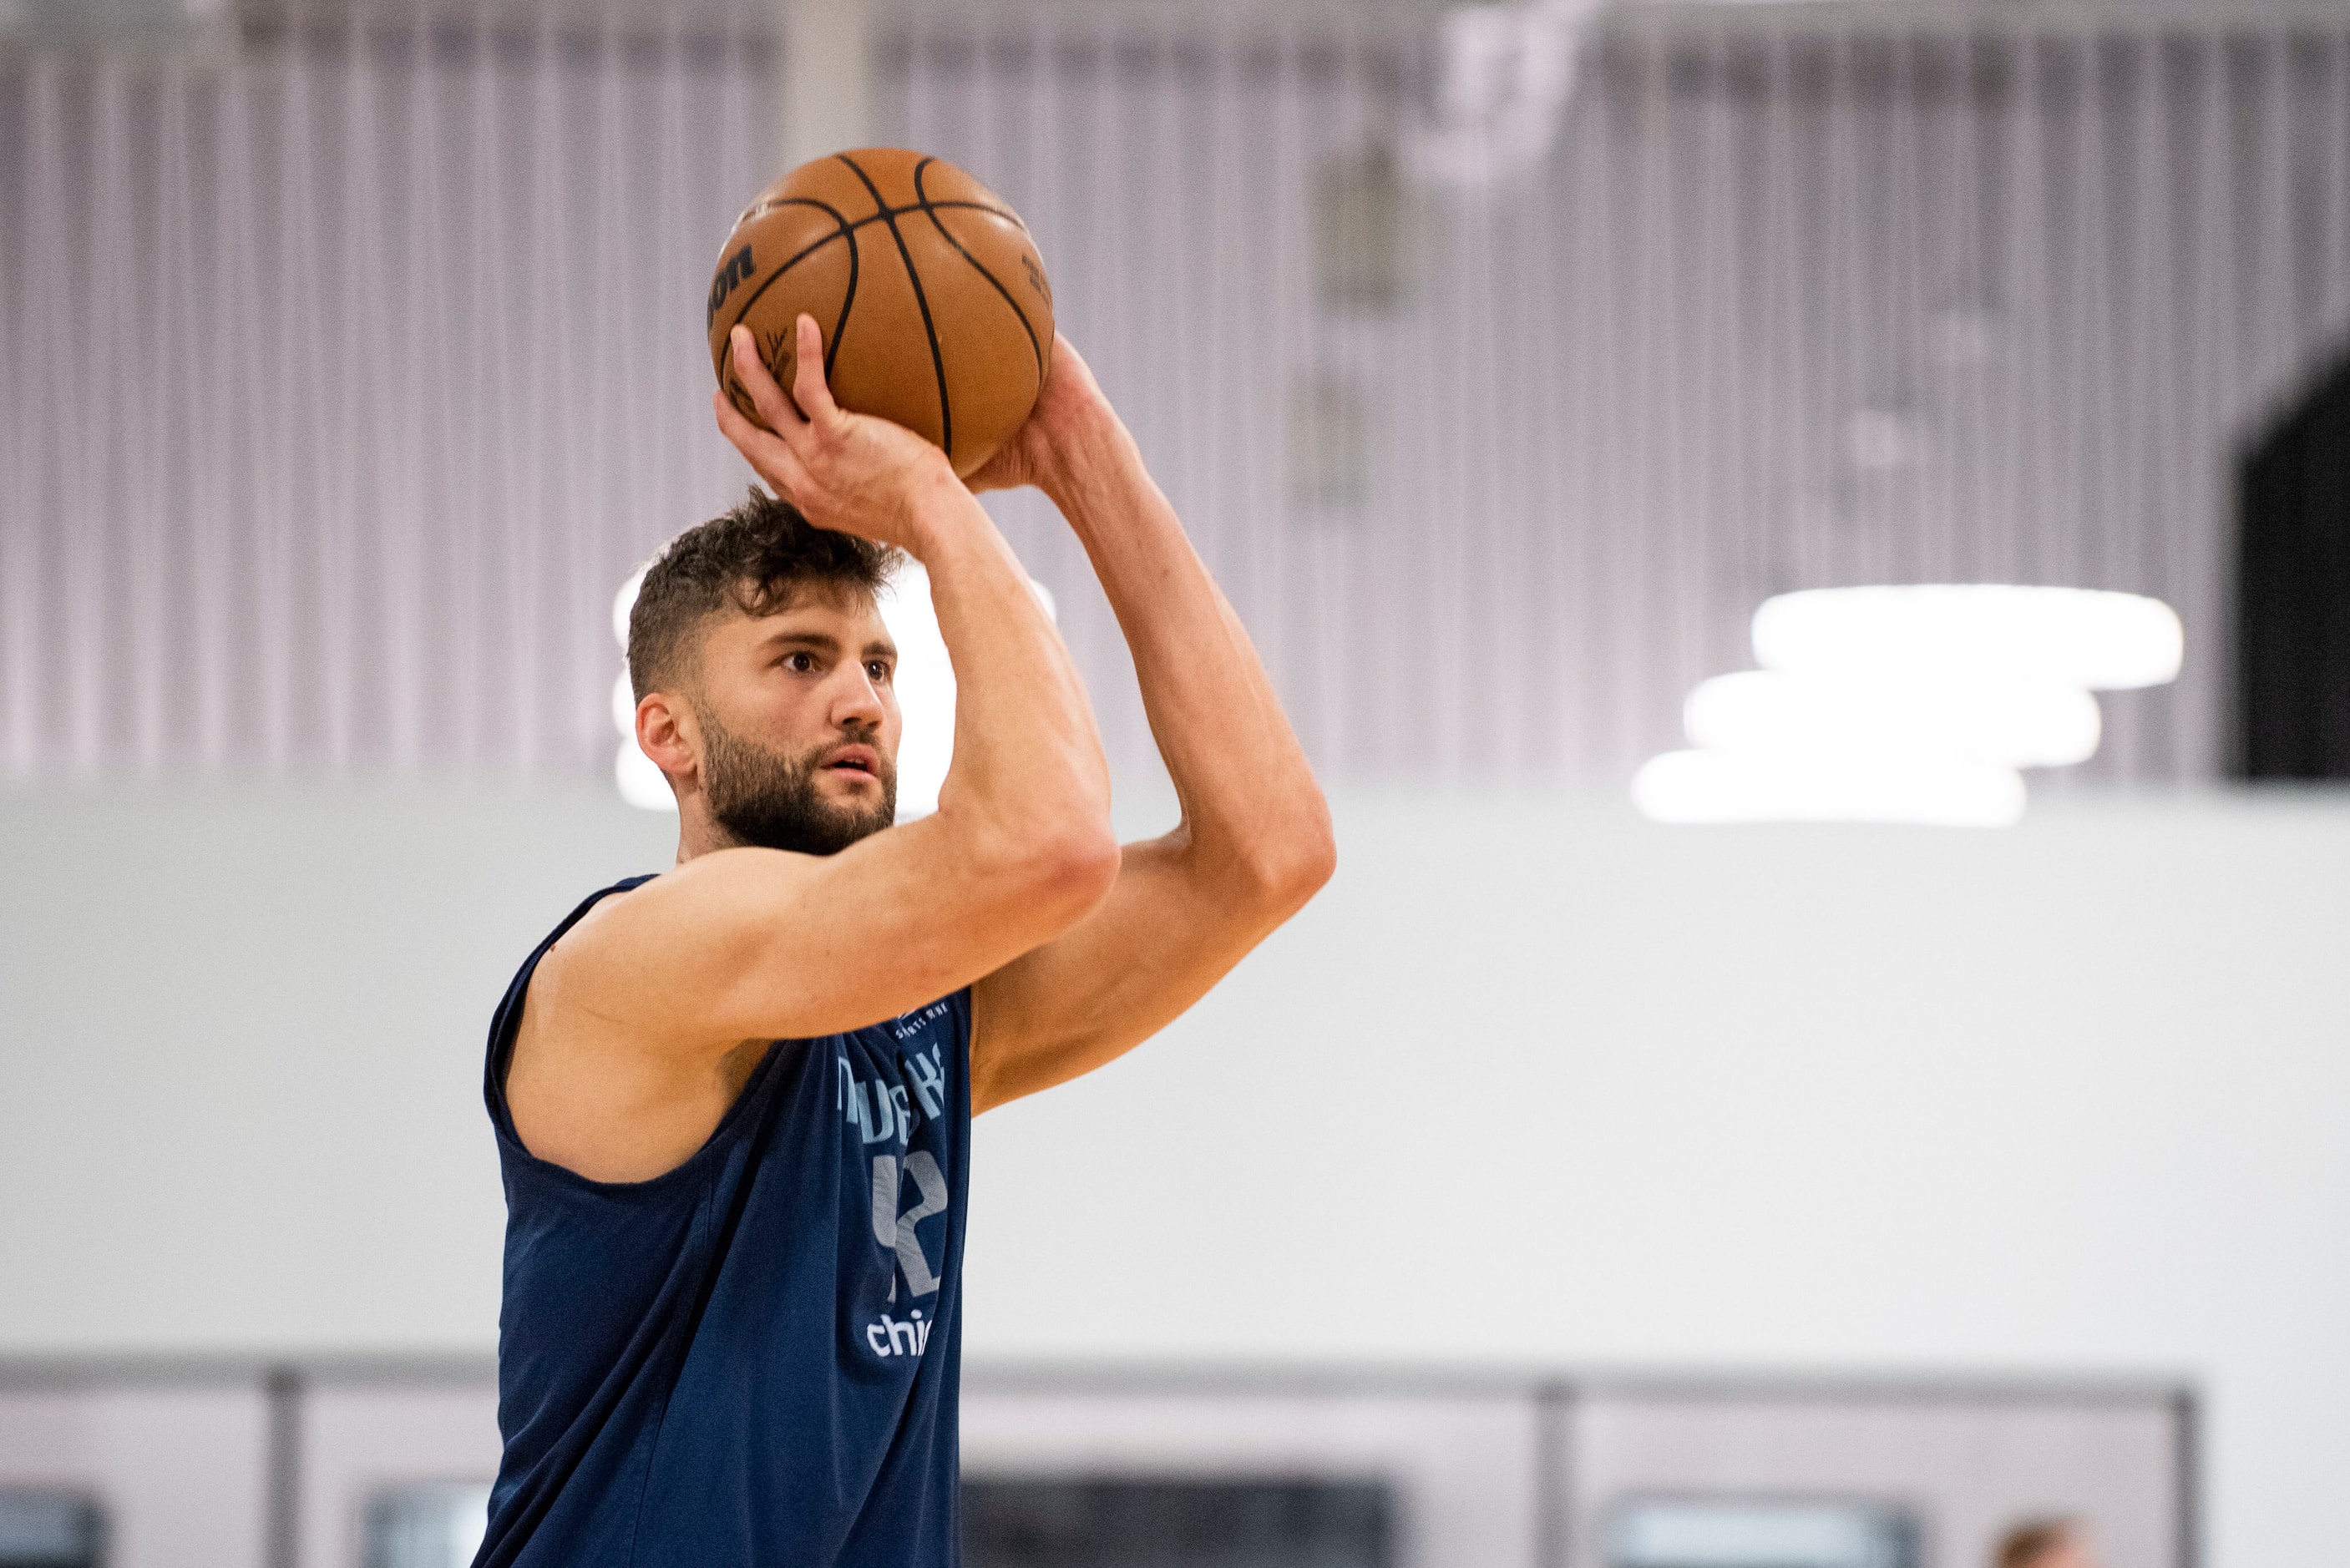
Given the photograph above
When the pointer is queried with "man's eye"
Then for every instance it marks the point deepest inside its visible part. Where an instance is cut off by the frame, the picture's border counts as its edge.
(878, 671)
(799, 663)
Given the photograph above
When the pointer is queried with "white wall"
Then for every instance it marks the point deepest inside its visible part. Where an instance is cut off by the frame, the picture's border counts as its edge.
(1532, 1080)
(242, 1035)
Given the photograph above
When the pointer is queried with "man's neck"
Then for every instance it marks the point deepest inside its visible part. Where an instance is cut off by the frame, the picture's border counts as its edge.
(696, 834)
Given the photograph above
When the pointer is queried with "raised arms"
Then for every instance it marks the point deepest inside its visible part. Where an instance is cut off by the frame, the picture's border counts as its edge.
(1254, 843)
(635, 1037)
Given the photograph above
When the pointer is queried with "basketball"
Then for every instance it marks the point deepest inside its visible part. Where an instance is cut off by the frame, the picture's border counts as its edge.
(931, 296)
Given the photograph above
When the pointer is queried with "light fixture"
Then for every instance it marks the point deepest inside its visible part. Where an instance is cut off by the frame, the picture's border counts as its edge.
(1911, 703)
(1503, 75)
(1725, 787)
(2030, 725)
(1972, 631)
(623, 604)
(624, 704)
(926, 691)
(925, 681)
(641, 783)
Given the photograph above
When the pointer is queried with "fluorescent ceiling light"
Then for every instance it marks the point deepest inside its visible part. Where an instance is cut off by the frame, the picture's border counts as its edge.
(642, 783)
(1972, 631)
(1769, 712)
(1722, 787)
(1503, 75)
(640, 780)
(623, 603)
(926, 691)
(624, 706)
(926, 686)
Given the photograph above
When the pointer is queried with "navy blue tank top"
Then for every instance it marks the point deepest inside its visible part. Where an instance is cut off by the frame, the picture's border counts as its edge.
(751, 1361)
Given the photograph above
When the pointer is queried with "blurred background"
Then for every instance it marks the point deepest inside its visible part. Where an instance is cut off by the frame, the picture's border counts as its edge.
(1570, 1184)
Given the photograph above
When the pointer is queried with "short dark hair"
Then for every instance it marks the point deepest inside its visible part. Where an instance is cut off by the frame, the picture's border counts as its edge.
(754, 557)
(2028, 1542)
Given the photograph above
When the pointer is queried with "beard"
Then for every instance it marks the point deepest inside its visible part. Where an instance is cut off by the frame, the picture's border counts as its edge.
(769, 801)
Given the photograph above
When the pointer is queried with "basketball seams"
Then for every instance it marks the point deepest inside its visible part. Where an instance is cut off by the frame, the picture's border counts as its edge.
(880, 213)
(841, 231)
(922, 302)
(929, 210)
(832, 203)
(802, 254)
(845, 228)
(1007, 213)
(840, 323)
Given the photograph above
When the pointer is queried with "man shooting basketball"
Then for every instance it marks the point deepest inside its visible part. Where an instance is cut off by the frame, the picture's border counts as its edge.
(732, 1101)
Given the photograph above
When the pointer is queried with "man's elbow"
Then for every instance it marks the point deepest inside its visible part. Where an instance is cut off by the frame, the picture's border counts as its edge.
(1286, 868)
(1068, 872)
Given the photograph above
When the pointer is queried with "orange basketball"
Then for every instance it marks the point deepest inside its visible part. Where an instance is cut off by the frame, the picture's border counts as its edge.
(930, 294)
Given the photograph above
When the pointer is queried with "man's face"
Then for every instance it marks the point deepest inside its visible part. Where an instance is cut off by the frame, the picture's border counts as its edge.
(799, 723)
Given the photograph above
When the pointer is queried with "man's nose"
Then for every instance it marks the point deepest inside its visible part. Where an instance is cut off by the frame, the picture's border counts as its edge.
(857, 700)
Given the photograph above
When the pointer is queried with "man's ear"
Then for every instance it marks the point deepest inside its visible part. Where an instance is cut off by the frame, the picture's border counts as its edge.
(667, 733)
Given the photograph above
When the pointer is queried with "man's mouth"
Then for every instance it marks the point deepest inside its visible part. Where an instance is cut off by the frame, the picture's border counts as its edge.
(858, 762)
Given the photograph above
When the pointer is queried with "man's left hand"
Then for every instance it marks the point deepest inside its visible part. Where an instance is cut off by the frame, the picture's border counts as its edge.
(1069, 409)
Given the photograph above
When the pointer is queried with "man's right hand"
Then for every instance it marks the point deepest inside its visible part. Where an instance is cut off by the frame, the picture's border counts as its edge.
(642, 1021)
(854, 472)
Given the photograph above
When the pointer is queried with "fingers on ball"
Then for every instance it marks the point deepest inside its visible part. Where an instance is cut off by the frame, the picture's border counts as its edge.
(749, 368)
(809, 388)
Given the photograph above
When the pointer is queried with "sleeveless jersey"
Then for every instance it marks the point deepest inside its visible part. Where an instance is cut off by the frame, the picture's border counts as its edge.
(751, 1361)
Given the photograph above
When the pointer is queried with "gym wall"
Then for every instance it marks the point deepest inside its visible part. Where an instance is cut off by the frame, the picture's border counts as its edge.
(1691, 1097)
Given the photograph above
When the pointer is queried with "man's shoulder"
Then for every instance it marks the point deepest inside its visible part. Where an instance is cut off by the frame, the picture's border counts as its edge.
(589, 916)
(541, 972)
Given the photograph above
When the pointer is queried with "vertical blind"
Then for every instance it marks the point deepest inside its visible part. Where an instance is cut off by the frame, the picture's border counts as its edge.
(347, 374)
(345, 377)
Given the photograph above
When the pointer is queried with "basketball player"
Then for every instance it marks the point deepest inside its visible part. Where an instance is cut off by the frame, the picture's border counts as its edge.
(733, 1100)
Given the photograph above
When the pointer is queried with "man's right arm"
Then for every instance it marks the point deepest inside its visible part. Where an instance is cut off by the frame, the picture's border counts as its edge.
(743, 944)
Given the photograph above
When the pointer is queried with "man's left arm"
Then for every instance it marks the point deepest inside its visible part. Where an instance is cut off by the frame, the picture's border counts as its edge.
(1254, 841)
